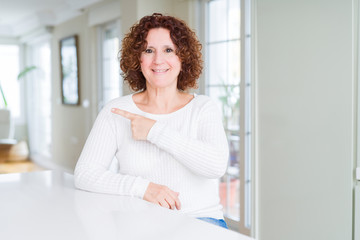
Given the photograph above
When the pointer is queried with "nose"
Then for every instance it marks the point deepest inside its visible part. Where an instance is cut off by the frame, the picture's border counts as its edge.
(158, 58)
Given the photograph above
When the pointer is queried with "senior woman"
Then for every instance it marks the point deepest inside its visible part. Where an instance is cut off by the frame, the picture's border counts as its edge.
(170, 145)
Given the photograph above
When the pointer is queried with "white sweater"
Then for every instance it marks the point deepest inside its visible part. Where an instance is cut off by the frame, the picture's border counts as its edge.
(186, 151)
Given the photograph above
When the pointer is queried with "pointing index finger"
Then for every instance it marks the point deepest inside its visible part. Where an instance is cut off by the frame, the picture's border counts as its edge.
(124, 113)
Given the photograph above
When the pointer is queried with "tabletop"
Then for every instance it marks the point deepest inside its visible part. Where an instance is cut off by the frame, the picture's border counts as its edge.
(46, 205)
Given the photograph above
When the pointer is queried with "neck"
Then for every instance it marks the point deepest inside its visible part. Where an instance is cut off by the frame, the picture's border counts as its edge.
(163, 101)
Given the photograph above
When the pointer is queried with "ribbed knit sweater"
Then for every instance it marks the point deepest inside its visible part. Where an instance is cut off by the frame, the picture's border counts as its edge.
(185, 150)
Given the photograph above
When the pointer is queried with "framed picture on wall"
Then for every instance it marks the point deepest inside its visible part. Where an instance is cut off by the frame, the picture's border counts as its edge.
(69, 67)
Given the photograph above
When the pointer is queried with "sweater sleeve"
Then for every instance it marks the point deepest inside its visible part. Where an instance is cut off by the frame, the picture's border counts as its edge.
(92, 169)
(206, 154)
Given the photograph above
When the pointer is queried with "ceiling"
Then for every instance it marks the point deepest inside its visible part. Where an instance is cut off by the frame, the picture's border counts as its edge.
(18, 17)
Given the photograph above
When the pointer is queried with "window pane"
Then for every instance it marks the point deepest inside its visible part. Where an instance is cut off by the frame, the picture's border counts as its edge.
(234, 58)
(115, 74)
(110, 83)
(106, 74)
(217, 94)
(110, 44)
(234, 19)
(39, 101)
(217, 64)
(229, 196)
(234, 147)
(228, 99)
(223, 85)
(107, 49)
(217, 21)
(231, 101)
(110, 33)
(111, 74)
(224, 63)
(9, 60)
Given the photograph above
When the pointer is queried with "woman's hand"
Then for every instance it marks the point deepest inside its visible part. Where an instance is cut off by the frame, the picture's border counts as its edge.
(162, 196)
(140, 126)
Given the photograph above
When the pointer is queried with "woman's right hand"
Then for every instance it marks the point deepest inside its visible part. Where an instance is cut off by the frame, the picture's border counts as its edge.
(163, 196)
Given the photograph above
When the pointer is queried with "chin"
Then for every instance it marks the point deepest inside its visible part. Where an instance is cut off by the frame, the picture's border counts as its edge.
(159, 84)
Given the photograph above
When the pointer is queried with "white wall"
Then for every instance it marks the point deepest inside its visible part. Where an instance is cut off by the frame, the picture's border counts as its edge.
(304, 104)
(70, 123)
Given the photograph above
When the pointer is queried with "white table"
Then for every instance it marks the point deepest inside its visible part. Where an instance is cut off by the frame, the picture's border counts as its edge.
(46, 205)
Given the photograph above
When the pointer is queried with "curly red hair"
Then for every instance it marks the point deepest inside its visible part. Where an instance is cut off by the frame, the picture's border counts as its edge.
(188, 49)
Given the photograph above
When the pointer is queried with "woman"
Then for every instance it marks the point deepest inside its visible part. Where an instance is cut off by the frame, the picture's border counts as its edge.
(170, 145)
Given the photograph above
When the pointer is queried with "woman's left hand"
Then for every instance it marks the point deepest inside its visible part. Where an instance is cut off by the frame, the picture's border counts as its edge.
(140, 126)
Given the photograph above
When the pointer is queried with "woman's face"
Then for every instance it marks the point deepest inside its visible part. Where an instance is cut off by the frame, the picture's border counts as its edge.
(159, 63)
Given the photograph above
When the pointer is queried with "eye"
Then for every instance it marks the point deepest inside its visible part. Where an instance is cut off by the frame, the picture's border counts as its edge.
(169, 50)
(148, 50)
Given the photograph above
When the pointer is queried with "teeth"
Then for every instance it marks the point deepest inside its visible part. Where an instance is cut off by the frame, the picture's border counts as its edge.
(159, 70)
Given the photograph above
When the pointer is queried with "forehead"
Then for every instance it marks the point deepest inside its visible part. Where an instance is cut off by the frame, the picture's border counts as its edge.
(159, 37)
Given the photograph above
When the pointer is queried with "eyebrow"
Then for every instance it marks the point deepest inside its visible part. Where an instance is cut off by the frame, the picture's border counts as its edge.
(165, 46)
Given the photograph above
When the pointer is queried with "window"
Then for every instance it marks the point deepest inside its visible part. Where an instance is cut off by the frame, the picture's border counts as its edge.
(110, 84)
(9, 60)
(227, 80)
(38, 85)
(110, 81)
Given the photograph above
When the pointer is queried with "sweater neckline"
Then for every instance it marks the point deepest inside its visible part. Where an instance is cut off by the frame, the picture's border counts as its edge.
(161, 114)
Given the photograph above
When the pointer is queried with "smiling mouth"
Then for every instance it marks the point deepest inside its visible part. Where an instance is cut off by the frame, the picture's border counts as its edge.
(160, 70)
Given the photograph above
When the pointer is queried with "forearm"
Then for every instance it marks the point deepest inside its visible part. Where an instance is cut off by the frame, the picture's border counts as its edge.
(207, 158)
(95, 179)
